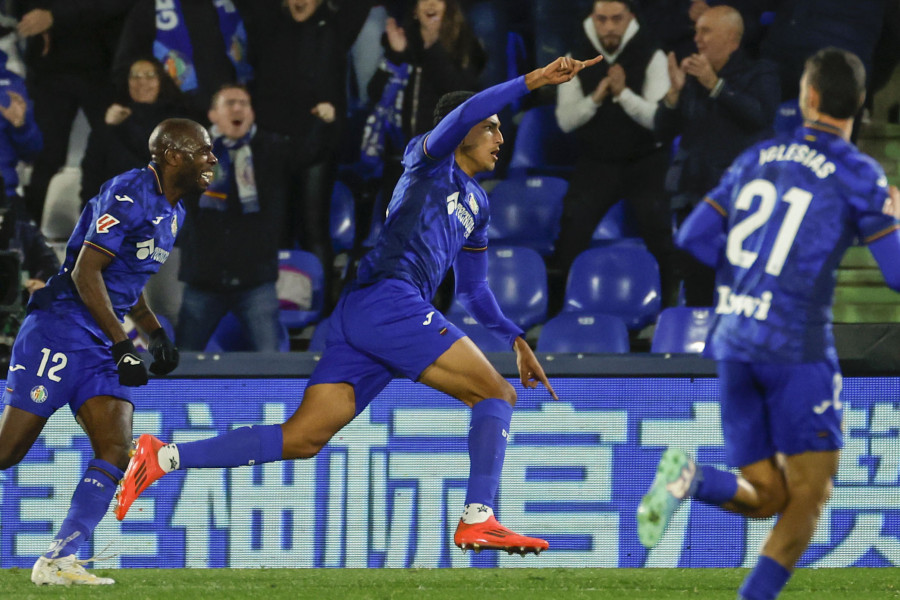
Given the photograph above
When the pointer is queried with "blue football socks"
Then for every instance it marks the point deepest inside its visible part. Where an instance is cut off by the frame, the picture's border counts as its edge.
(243, 446)
(89, 503)
(765, 581)
(488, 436)
(714, 486)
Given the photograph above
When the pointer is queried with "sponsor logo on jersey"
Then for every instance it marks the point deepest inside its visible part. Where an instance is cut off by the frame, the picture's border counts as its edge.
(750, 306)
(149, 249)
(158, 219)
(124, 198)
(462, 214)
(17, 367)
(38, 394)
(427, 320)
(105, 222)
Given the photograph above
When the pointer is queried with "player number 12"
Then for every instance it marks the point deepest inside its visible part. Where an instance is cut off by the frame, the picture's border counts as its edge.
(798, 201)
(59, 363)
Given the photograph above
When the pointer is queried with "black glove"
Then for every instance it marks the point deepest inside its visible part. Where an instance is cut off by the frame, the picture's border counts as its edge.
(130, 366)
(164, 352)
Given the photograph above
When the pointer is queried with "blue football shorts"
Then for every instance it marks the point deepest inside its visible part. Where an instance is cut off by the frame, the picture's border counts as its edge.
(787, 408)
(379, 332)
(55, 362)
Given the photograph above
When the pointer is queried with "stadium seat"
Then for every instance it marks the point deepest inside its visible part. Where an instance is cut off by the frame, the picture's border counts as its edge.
(584, 332)
(342, 217)
(681, 329)
(319, 336)
(229, 337)
(525, 211)
(788, 117)
(518, 278)
(62, 204)
(300, 288)
(620, 280)
(617, 224)
(482, 336)
(541, 148)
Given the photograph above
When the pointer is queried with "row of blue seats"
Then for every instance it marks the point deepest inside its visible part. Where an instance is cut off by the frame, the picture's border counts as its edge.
(611, 290)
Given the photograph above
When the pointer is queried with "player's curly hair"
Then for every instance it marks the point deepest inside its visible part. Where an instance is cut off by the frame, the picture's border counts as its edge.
(448, 102)
(840, 79)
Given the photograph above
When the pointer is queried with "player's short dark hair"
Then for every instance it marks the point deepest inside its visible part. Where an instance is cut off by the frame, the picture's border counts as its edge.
(448, 102)
(224, 88)
(840, 79)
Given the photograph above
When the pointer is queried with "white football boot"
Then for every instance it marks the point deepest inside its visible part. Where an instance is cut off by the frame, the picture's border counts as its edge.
(65, 571)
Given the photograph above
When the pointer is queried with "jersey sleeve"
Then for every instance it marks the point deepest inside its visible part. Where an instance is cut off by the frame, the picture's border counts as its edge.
(114, 213)
(870, 192)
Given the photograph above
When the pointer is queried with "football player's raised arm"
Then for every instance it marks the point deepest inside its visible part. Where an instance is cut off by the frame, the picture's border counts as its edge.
(703, 232)
(88, 279)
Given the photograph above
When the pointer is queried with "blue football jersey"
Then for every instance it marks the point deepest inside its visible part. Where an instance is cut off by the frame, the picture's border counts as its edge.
(793, 205)
(131, 221)
(435, 211)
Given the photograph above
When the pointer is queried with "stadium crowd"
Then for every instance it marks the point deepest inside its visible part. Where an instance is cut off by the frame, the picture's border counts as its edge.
(339, 87)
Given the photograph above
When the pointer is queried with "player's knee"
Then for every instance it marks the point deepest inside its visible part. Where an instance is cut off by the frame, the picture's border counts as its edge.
(503, 390)
(773, 497)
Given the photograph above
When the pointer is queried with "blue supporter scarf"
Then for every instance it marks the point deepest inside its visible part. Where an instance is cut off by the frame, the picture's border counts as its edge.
(172, 46)
(235, 160)
(386, 121)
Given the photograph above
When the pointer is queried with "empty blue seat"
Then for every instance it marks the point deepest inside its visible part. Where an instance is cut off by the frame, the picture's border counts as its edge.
(342, 217)
(229, 336)
(584, 332)
(682, 329)
(618, 223)
(300, 288)
(526, 211)
(518, 278)
(482, 336)
(541, 147)
(620, 280)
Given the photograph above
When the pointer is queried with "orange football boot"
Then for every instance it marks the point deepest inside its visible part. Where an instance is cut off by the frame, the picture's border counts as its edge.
(491, 535)
(143, 469)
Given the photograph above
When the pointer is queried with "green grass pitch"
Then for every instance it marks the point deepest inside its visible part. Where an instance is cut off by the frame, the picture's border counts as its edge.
(453, 584)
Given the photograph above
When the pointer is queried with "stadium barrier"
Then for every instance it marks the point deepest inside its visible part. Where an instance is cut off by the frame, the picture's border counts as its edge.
(389, 488)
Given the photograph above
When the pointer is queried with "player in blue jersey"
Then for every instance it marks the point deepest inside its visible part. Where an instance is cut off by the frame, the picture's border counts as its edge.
(384, 324)
(72, 349)
(775, 229)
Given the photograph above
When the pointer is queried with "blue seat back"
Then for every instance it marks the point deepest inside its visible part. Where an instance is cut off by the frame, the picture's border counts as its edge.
(526, 211)
(584, 332)
(300, 288)
(620, 280)
(229, 336)
(541, 147)
(518, 278)
(682, 329)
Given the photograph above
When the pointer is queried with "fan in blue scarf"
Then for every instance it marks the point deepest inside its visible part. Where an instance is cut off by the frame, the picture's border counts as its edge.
(235, 163)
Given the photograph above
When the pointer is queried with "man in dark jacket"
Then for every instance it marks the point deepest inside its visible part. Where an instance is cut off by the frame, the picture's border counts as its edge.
(720, 102)
(229, 246)
(68, 53)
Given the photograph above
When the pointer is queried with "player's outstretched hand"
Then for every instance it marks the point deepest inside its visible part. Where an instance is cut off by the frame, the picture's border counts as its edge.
(129, 365)
(164, 353)
(561, 70)
(530, 370)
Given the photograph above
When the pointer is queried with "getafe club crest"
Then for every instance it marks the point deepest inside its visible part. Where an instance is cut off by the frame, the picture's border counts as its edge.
(473, 204)
(38, 394)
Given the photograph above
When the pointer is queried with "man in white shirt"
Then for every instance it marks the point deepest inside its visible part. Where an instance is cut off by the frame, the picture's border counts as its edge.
(610, 109)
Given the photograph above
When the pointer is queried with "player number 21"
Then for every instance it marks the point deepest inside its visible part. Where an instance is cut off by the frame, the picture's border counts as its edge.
(798, 201)
(59, 361)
